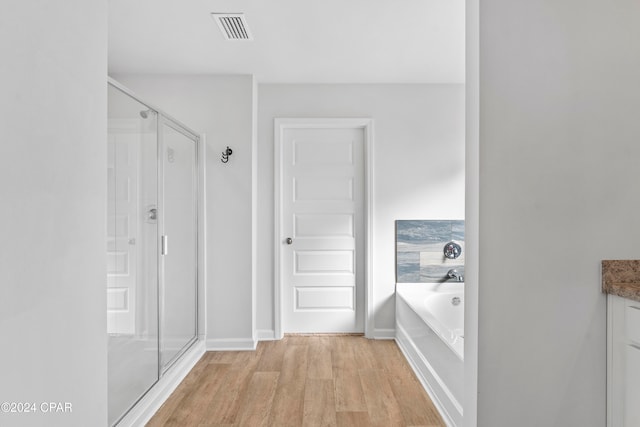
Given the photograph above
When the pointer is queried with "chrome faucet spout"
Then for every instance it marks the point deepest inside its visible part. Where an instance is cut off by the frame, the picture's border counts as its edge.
(453, 274)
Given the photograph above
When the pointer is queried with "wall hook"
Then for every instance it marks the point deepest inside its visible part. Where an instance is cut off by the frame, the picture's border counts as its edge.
(225, 155)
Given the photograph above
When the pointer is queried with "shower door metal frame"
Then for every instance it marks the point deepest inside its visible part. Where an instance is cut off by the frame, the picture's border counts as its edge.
(163, 118)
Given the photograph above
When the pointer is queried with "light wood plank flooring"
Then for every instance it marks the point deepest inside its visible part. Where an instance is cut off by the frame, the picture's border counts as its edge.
(302, 381)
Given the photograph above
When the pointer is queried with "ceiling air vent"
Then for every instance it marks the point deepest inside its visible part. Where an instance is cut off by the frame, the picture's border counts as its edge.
(233, 26)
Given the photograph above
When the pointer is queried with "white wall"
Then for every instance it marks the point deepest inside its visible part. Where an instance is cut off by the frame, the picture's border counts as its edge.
(418, 138)
(53, 112)
(418, 169)
(559, 151)
(222, 108)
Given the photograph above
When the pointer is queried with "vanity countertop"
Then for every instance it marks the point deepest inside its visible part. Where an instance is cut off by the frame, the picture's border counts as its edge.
(622, 278)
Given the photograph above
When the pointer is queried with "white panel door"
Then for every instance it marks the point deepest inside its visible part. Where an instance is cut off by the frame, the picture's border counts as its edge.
(322, 242)
(122, 214)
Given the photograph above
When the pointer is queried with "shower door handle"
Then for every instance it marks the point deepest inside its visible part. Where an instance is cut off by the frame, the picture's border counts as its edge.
(164, 246)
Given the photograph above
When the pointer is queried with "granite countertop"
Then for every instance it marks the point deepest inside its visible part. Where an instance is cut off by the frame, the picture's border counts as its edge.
(622, 278)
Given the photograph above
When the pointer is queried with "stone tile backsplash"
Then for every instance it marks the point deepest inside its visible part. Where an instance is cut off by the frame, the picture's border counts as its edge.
(419, 250)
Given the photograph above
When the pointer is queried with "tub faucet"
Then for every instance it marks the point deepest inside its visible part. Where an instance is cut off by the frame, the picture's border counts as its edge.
(453, 274)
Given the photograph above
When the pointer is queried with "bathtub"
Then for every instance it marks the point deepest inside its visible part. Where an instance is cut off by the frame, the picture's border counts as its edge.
(430, 332)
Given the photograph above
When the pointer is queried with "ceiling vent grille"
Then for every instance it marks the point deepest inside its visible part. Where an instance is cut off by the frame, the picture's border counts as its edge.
(233, 26)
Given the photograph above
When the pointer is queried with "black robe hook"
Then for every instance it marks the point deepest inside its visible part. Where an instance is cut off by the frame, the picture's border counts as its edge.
(225, 155)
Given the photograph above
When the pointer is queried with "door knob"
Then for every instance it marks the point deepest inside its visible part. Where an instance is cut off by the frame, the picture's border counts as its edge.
(289, 240)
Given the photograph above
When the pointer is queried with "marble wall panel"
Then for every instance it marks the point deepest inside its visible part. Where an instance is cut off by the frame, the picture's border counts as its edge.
(419, 250)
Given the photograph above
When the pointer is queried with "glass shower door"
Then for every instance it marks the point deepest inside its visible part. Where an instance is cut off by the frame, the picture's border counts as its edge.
(132, 260)
(152, 247)
(179, 242)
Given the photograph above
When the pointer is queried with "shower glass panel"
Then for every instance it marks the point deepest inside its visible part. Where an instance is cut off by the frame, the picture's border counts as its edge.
(132, 256)
(179, 247)
(152, 247)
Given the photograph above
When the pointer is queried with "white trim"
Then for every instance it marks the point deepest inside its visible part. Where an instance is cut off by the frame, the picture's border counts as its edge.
(231, 344)
(384, 334)
(202, 237)
(611, 392)
(146, 408)
(277, 227)
(367, 125)
(266, 335)
(369, 318)
(254, 207)
(472, 212)
(422, 368)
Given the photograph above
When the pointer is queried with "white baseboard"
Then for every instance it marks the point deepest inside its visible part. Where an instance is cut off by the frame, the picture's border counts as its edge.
(160, 392)
(266, 334)
(384, 334)
(231, 344)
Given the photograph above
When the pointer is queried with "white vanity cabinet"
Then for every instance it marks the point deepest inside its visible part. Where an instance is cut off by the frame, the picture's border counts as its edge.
(623, 362)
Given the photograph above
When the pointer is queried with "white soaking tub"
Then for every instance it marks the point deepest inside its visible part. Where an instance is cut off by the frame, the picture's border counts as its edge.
(430, 332)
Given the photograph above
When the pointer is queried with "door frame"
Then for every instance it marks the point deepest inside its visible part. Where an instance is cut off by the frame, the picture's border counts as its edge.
(280, 125)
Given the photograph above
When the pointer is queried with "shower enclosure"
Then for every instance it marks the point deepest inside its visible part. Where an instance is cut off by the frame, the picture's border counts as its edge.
(152, 246)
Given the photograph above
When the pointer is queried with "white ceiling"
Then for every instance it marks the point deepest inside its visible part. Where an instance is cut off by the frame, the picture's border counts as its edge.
(295, 41)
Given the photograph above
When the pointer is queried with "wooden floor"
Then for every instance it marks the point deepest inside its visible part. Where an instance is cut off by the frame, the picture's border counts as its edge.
(302, 381)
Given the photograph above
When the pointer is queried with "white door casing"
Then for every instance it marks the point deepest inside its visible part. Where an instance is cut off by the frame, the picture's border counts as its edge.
(322, 183)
